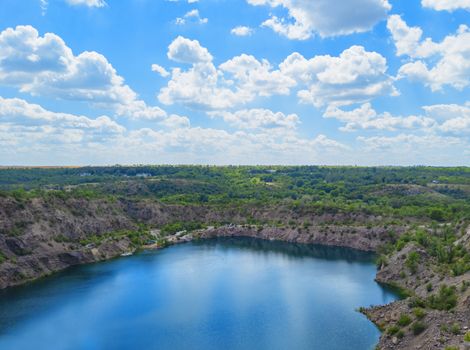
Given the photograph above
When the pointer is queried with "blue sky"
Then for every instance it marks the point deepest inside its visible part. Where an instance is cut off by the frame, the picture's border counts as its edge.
(366, 82)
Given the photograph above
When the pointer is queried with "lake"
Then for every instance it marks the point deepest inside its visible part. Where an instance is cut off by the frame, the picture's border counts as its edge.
(232, 293)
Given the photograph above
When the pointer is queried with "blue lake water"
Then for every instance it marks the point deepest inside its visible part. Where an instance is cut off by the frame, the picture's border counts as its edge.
(218, 294)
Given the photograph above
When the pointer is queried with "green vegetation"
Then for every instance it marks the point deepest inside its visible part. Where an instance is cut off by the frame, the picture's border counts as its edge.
(178, 226)
(431, 203)
(455, 328)
(445, 299)
(467, 337)
(392, 330)
(137, 237)
(419, 313)
(435, 194)
(404, 320)
(418, 327)
(412, 262)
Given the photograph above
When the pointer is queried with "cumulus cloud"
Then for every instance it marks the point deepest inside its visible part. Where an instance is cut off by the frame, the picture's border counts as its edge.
(448, 119)
(412, 149)
(446, 5)
(160, 70)
(46, 66)
(435, 64)
(28, 131)
(242, 31)
(455, 119)
(23, 123)
(355, 76)
(324, 17)
(192, 16)
(89, 3)
(365, 117)
(205, 86)
(188, 51)
(258, 118)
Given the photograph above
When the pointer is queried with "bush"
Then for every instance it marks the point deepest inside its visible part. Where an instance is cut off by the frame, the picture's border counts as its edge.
(412, 262)
(437, 214)
(415, 302)
(467, 337)
(404, 320)
(446, 299)
(393, 330)
(419, 313)
(418, 327)
(455, 328)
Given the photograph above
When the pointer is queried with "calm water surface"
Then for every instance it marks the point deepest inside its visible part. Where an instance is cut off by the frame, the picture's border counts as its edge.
(218, 294)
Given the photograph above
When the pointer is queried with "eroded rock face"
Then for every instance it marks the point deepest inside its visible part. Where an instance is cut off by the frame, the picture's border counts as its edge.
(42, 235)
(441, 328)
(358, 237)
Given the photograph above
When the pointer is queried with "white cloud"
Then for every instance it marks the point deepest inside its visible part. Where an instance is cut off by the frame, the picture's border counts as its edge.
(89, 3)
(257, 77)
(259, 118)
(46, 66)
(192, 16)
(30, 134)
(176, 122)
(365, 117)
(455, 118)
(242, 31)
(406, 39)
(444, 119)
(205, 86)
(325, 17)
(353, 77)
(160, 70)
(23, 125)
(435, 64)
(410, 149)
(188, 51)
(446, 5)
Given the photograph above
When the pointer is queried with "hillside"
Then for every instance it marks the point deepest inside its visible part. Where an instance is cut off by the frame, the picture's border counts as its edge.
(416, 219)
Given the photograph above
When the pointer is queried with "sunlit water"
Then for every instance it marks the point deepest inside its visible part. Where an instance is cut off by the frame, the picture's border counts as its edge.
(218, 294)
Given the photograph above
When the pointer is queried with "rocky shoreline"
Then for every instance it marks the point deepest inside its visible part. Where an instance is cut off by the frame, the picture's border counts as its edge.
(440, 326)
(440, 329)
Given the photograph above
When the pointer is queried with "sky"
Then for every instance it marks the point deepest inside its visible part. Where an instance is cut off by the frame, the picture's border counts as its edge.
(323, 82)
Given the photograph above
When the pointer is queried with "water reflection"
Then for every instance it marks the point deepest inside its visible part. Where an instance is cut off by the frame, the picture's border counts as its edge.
(231, 293)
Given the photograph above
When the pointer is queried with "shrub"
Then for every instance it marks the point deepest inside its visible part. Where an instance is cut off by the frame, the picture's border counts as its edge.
(412, 262)
(418, 327)
(467, 337)
(446, 299)
(437, 214)
(404, 320)
(393, 330)
(419, 313)
(416, 302)
(455, 328)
